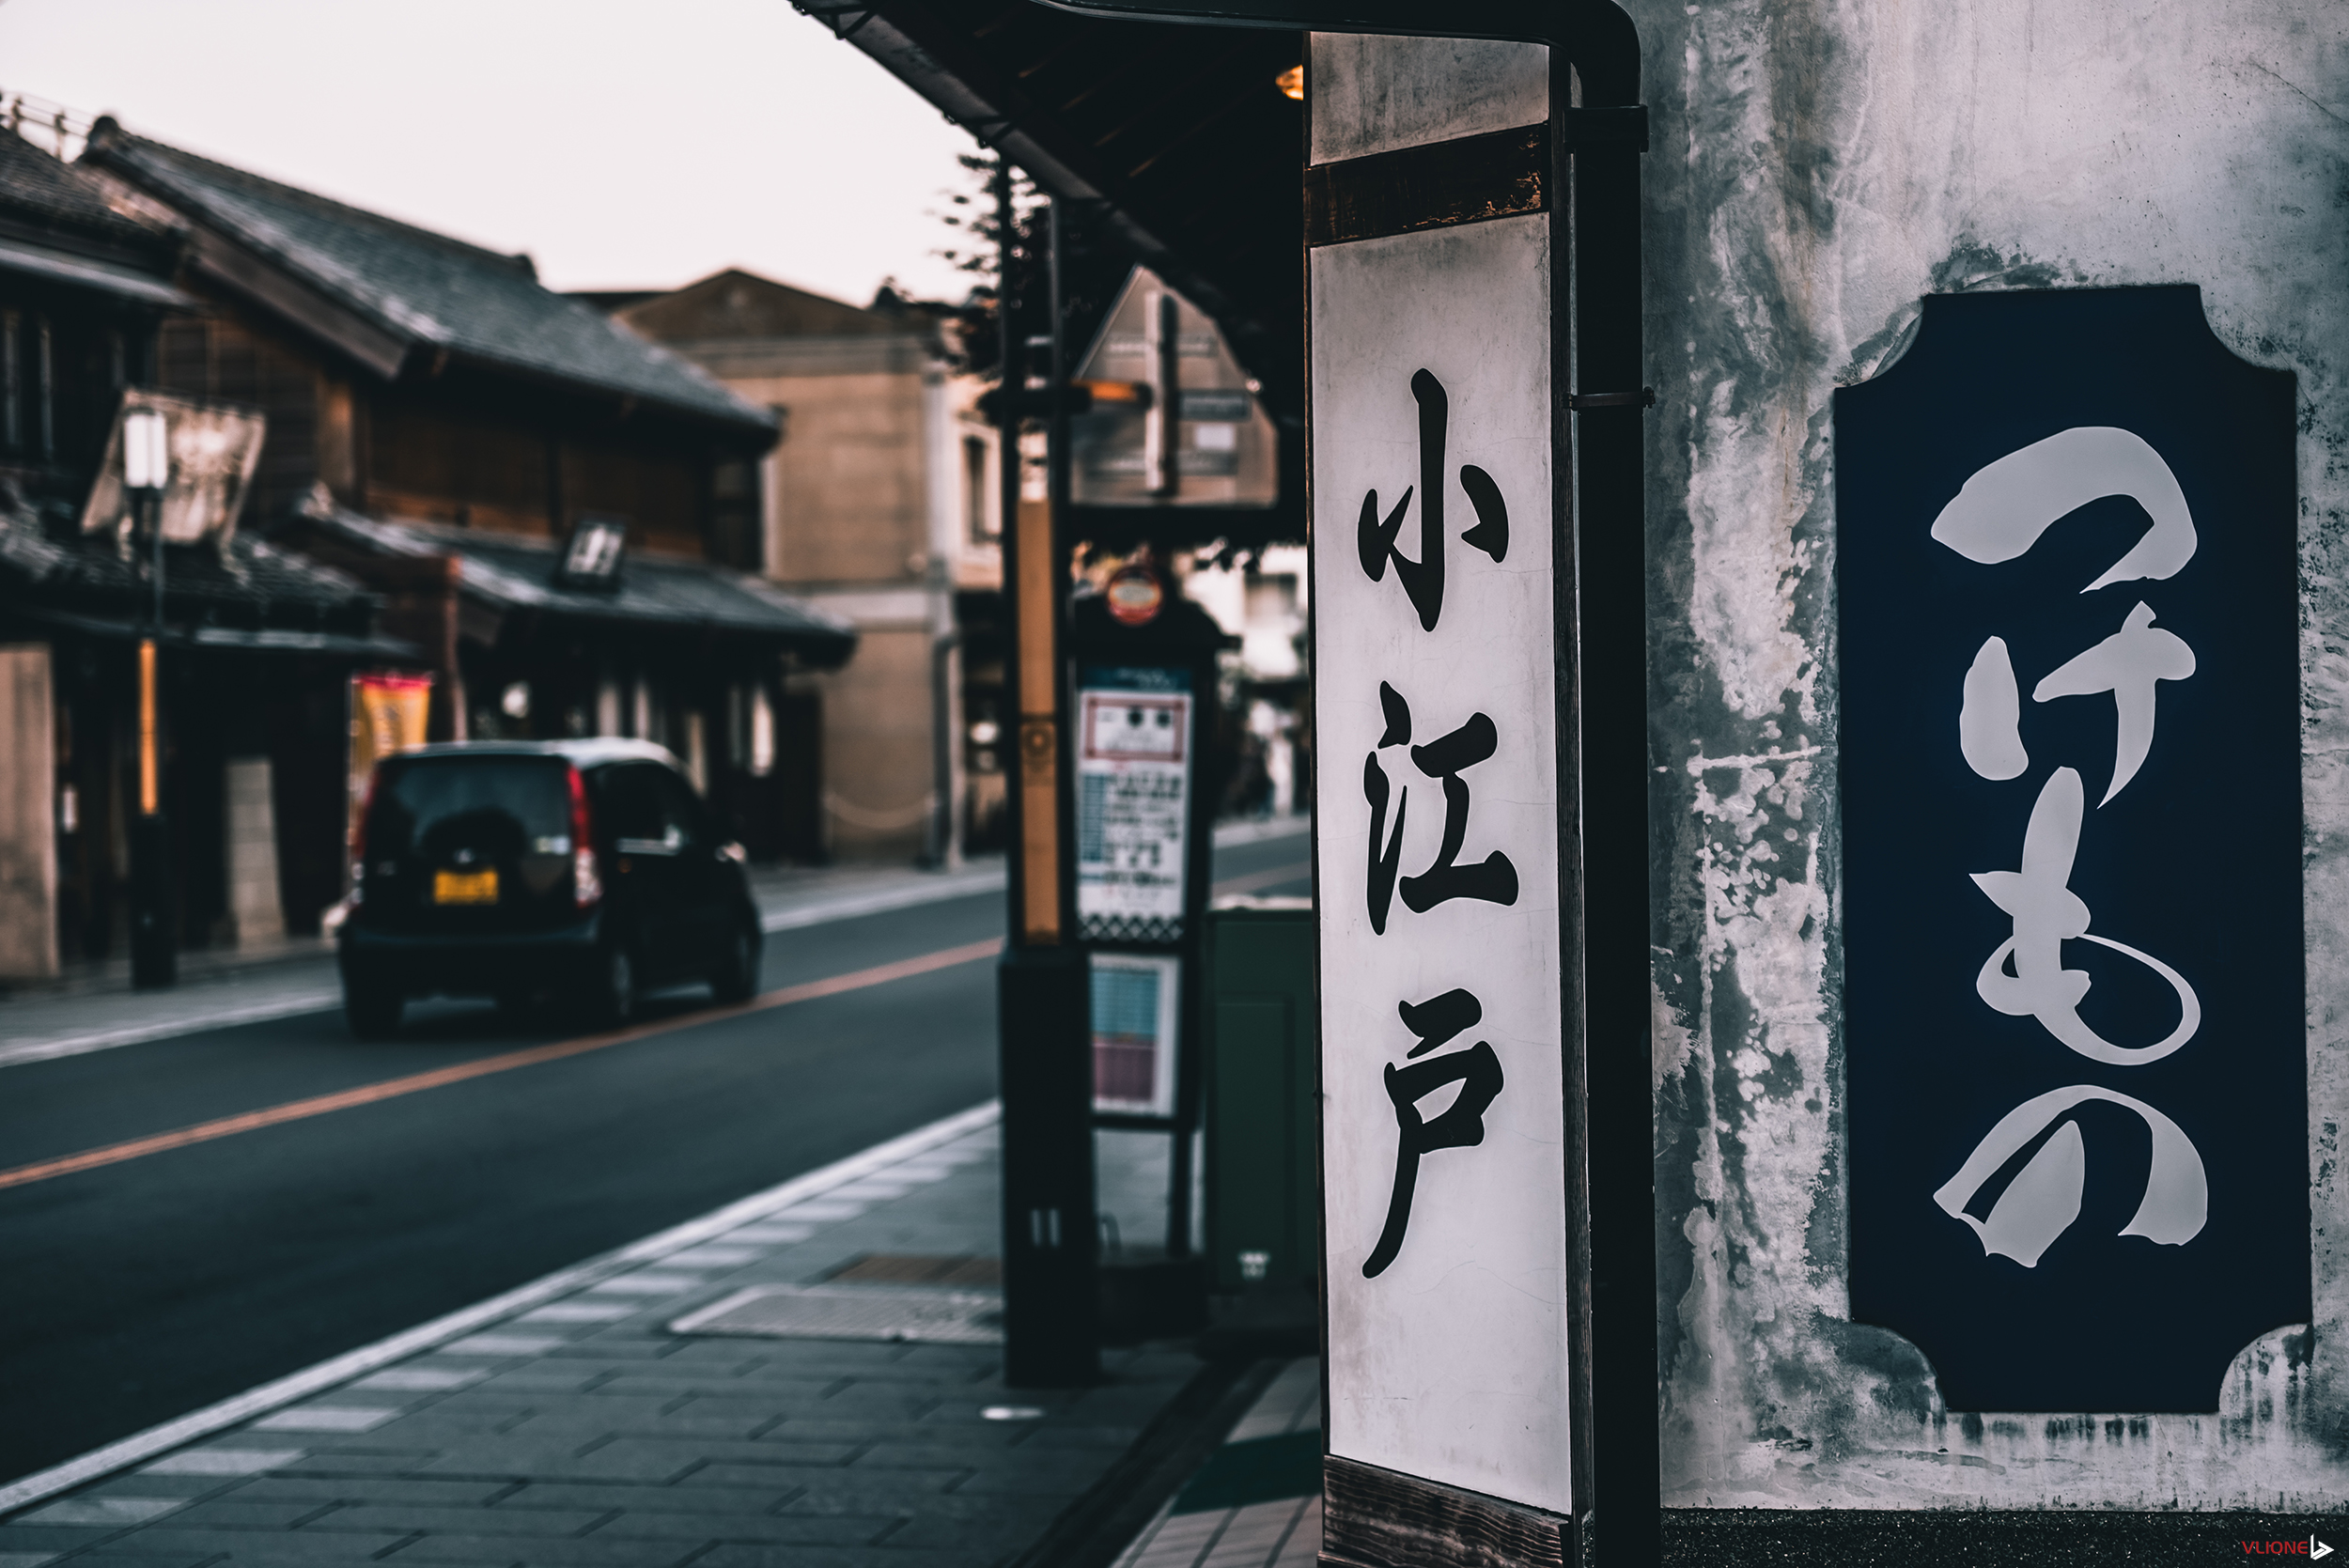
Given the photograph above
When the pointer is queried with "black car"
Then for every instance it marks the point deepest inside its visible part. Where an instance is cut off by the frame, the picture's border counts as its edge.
(589, 868)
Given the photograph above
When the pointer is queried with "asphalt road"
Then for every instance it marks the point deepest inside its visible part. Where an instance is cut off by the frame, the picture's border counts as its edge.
(144, 1288)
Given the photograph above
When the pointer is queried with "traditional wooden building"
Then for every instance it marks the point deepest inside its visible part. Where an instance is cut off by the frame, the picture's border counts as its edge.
(256, 641)
(562, 515)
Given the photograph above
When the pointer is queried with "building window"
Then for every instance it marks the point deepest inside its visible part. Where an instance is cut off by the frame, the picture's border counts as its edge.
(733, 513)
(762, 757)
(45, 386)
(978, 502)
(11, 382)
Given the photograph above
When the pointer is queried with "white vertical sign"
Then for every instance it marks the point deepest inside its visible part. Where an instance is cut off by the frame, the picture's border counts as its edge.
(1443, 1130)
(1134, 807)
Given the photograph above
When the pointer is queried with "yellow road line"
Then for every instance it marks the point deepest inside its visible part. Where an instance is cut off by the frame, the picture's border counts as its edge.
(369, 1094)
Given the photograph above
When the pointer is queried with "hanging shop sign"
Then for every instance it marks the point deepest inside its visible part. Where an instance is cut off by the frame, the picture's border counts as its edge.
(1436, 801)
(2070, 764)
(214, 449)
(1134, 760)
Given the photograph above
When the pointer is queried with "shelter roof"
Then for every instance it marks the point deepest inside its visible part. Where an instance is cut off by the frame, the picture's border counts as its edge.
(1180, 135)
(414, 290)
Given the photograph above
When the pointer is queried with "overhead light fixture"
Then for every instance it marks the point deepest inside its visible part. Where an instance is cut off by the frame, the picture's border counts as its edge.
(1292, 81)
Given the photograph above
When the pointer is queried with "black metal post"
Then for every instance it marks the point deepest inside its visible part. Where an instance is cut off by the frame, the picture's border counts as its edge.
(1051, 1307)
(154, 958)
(1609, 649)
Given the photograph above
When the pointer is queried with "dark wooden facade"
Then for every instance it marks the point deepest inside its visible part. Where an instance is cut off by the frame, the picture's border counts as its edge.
(458, 446)
(423, 392)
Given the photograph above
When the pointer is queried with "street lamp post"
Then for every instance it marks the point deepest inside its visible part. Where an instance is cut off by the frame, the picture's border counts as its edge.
(146, 467)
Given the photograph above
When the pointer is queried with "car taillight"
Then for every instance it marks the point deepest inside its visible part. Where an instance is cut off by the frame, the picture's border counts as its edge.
(359, 840)
(586, 882)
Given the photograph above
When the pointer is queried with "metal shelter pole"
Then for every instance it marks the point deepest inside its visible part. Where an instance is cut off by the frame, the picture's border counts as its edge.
(1051, 1291)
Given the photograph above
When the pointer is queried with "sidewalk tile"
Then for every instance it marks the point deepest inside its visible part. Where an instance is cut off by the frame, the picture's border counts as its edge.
(356, 1460)
(494, 1551)
(743, 1555)
(49, 1540)
(327, 1418)
(1061, 1481)
(703, 1502)
(854, 1490)
(916, 1453)
(221, 1462)
(423, 1379)
(931, 1532)
(810, 1529)
(384, 1518)
(141, 1484)
(384, 1489)
(110, 1513)
(239, 1513)
(270, 1548)
(628, 1459)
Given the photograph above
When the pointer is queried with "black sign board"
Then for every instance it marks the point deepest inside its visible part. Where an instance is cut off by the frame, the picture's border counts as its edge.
(2070, 764)
(591, 557)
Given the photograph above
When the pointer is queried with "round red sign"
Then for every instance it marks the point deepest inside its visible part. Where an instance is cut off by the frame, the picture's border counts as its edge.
(1135, 595)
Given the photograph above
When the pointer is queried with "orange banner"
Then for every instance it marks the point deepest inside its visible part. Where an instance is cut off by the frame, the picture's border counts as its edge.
(387, 715)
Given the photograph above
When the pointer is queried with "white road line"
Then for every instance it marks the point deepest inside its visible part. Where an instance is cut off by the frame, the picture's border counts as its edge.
(456, 1325)
(847, 906)
(164, 1028)
(1231, 834)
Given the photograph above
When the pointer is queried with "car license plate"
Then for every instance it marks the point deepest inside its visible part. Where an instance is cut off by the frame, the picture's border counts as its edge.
(465, 887)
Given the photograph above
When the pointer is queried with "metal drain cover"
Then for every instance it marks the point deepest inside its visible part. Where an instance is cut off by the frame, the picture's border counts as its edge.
(852, 1312)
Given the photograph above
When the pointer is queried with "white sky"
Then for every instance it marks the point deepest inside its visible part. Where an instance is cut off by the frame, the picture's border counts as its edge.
(621, 145)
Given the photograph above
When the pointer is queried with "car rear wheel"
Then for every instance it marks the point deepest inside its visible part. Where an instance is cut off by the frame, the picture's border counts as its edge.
(612, 992)
(736, 979)
(372, 1009)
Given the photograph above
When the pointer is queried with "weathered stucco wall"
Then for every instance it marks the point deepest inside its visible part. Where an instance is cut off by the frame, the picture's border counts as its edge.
(1816, 167)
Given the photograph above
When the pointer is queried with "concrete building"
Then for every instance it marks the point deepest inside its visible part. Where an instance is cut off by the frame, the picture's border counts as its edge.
(881, 509)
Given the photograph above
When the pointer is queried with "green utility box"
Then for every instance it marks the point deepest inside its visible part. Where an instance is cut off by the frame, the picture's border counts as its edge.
(1264, 1200)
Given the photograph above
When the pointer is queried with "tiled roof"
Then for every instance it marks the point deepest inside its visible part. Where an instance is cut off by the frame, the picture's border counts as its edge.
(37, 190)
(509, 572)
(251, 583)
(427, 289)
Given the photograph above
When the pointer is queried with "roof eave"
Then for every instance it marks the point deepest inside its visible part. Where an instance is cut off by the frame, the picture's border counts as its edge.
(754, 423)
(908, 41)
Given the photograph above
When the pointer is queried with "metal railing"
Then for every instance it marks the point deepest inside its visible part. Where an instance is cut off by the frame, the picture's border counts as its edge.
(50, 125)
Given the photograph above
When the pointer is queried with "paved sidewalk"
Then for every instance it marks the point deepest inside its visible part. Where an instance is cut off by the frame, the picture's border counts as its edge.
(1257, 1502)
(567, 1423)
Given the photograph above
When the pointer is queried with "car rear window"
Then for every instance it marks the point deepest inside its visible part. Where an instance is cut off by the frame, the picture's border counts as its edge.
(434, 806)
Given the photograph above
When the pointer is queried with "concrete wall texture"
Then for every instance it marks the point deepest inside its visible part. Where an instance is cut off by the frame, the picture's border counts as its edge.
(1816, 167)
(849, 527)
